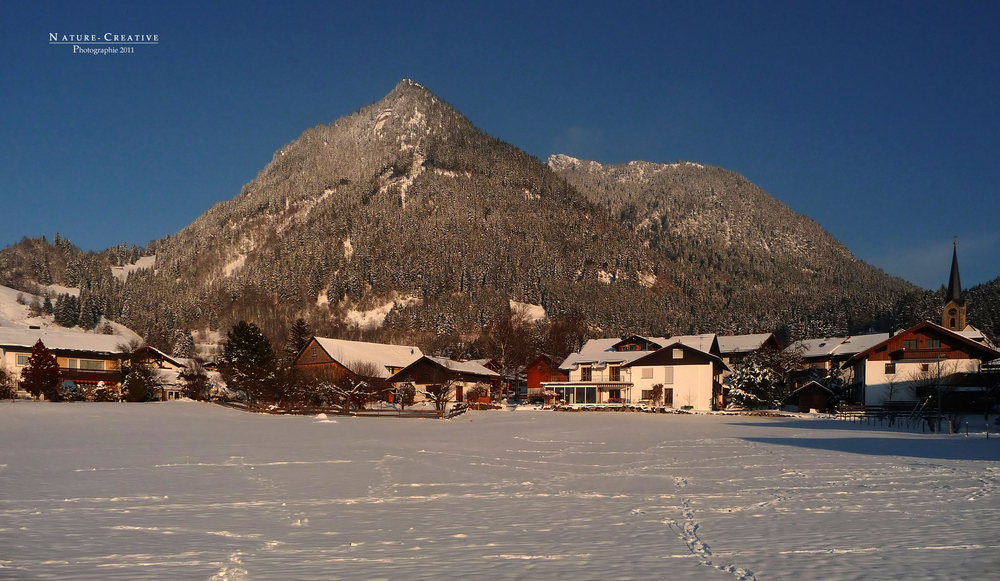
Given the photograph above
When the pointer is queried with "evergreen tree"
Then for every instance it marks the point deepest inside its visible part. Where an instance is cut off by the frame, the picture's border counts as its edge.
(41, 375)
(47, 307)
(183, 343)
(141, 379)
(67, 311)
(247, 363)
(299, 336)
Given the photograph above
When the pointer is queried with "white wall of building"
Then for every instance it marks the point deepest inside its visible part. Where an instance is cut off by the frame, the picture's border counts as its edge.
(907, 373)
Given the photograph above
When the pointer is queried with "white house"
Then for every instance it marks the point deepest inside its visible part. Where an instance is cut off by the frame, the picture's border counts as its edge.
(924, 356)
(625, 370)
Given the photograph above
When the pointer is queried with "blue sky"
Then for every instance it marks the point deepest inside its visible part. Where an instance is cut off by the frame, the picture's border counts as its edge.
(881, 121)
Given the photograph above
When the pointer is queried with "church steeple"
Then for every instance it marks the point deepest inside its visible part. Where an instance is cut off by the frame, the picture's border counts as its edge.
(955, 281)
(953, 314)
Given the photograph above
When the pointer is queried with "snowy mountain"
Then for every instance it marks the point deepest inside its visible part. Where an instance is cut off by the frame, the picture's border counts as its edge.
(403, 212)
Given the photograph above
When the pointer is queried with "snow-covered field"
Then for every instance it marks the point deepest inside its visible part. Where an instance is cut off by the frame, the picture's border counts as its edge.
(183, 490)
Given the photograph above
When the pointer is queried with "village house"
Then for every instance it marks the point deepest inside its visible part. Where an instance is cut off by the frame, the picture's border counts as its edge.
(85, 359)
(428, 373)
(168, 371)
(625, 371)
(733, 349)
(542, 369)
(915, 363)
(323, 357)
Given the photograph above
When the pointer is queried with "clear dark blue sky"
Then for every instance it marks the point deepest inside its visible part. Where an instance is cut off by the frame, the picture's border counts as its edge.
(880, 120)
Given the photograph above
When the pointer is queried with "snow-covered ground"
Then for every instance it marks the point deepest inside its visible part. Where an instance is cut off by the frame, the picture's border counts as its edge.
(184, 490)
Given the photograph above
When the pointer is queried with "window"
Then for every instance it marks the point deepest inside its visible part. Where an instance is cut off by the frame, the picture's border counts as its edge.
(22, 360)
(668, 397)
(678, 354)
(910, 344)
(668, 375)
(586, 373)
(647, 373)
(73, 364)
(91, 365)
(614, 373)
(925, 367)
(890, 368)
(315, 352)
(934, 343)
(647, 394)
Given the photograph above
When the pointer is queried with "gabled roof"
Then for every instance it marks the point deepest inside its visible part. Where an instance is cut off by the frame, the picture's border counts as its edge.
(813, 383)
(637, 339)
(175, 361)
(838, 346)
(970, 332)
(707, 342)
(730, 344)
(474, 366)
(602, 351)
(59, 339)
(971, 347)
(464, 370)
(659, 356)
(352, 353)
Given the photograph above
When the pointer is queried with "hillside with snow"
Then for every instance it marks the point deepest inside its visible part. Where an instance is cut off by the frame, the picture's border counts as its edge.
(16, 320)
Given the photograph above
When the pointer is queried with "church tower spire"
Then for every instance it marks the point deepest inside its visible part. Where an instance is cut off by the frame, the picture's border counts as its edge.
(953, 314)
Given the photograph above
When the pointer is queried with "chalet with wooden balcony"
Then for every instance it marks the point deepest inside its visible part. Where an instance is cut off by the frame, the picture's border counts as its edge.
(84, 358)
(625, 371)
(924, 356)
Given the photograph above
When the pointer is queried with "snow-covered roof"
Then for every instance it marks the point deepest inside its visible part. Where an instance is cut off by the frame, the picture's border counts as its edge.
(823, 347)
(974, 334)
(601, 351)
(838, 346)
(60, 339)
(352, 353)
(742, 343)
(701, 342)
(858, 343)
(471, 367)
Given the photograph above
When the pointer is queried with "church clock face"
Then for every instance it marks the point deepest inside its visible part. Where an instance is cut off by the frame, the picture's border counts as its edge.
(952, 311)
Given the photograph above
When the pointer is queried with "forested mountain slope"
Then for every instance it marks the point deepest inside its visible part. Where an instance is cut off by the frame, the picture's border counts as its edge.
(405, 204)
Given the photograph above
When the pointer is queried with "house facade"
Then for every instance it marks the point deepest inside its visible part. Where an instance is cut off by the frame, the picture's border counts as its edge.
(85, 359)
(625, 371)
(428, 372)
(926, 356)
(542, 370)
(337, 357)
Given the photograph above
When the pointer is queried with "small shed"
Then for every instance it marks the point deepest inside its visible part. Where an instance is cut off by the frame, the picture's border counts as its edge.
(812, 396)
